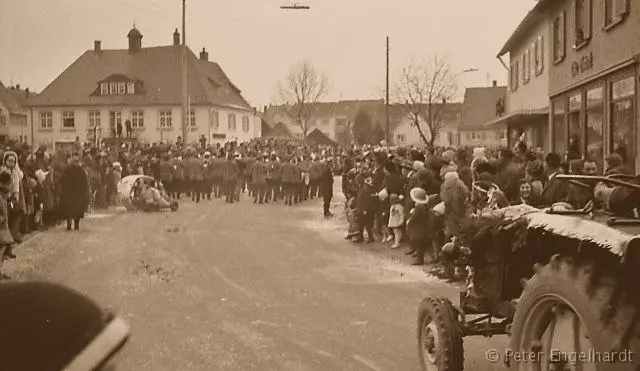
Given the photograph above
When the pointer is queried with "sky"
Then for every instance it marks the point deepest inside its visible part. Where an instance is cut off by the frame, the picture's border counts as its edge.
(256, 42)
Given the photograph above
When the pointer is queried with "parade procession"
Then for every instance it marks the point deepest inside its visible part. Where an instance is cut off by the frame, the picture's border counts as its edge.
(470, 201)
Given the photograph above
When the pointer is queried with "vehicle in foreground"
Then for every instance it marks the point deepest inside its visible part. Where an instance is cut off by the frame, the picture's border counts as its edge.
(561, 283)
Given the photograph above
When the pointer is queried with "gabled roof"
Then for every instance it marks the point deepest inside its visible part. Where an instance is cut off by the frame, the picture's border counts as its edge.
(13, 99)
(525, 25)
(159, 70)
(316, 137)
(479, 105)
(343, 108)
(279, 130)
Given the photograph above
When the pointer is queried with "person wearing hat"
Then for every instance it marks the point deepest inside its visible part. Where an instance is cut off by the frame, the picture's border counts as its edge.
(274, 179)
(230, 178)
(74, 192)
(325, 183)
(259, 180)
(6, 239)
(366, 205)
(208, 175)
(417, 223)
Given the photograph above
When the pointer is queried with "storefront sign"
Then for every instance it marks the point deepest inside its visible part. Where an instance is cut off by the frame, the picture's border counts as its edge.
(584, 64)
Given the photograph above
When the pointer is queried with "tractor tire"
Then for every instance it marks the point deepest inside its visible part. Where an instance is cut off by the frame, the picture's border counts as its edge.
(440, 345)
(563, 284)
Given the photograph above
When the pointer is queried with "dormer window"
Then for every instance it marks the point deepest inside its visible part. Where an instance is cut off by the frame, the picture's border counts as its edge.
(118, 85)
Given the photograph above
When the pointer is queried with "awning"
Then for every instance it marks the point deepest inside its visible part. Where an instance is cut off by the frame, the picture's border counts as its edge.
(515, 116)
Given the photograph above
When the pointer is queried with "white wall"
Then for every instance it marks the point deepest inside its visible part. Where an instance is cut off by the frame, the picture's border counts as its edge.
(535, 93)
(412, 137)
(151, 131)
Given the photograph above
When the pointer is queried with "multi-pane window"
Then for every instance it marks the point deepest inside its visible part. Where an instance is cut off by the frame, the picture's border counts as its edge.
(94, 119)
(131, 88)
(538, 58)
(137, 119)
(526, 66)
(68, 120)
(46, 120)
(166, 120)
(615, 11)
(401, 138)
(559, 43)
(231, 122)
(582, 22)
(245, 124)
(104, 88)
(113, 88)
(115, 118)
(215, 120)
(513, 75)
(595, 126)
(622, 121)
(122, 88)
(192, 119)
(575, 108)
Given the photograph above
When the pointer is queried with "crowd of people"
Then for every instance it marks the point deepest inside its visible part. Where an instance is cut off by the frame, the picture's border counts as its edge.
(423, 197)
(393, 195)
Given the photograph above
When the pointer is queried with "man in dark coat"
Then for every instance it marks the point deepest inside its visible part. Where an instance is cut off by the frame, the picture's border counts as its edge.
(74, 193)
(259, 179)
(366, 210)
(325, 183)
(555, 190)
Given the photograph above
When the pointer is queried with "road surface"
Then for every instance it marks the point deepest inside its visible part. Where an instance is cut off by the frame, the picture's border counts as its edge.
(244, 287)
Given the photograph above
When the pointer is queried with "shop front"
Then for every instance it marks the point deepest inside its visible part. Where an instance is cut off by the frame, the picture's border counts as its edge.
(529, 127)
(597, 118)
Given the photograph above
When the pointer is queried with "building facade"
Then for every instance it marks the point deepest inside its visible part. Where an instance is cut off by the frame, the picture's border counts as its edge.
(14, 114)
(140, 88)
(404, 131)
(333, 119)
(480, 107)
(593, 78)
(527, 97)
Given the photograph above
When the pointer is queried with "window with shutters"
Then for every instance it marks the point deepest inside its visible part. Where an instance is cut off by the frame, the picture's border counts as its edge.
(559, 43)
(615, 11)
(582, 31)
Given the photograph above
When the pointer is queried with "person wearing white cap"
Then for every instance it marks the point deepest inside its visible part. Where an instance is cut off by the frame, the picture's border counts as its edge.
(416, 225)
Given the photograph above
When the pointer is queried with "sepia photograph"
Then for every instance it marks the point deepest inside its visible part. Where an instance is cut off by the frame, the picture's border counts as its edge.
(314, 185)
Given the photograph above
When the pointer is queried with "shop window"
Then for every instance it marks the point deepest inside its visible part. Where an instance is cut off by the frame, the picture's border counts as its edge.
(622, 121)
(594, 119)
(559, 127)
(559, 43)
(575, 106)
(582, 32)
(615, 11)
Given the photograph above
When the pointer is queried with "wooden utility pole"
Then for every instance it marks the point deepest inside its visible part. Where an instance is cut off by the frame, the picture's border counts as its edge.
(387, 137)
(185, 89)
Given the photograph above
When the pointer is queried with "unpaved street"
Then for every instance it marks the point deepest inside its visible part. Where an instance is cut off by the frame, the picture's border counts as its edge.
(244, 287)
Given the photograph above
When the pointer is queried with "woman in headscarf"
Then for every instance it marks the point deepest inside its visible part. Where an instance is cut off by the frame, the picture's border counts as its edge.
(74, 192)
(15, 199)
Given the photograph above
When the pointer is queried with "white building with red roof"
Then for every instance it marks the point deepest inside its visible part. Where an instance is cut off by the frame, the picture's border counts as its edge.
(105, 89)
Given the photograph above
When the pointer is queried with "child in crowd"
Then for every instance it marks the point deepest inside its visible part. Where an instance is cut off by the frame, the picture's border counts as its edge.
(396, 219)
(351, 219)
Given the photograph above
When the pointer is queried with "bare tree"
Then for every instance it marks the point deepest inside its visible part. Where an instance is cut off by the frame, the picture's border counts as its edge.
(423, 91)
(303, 87)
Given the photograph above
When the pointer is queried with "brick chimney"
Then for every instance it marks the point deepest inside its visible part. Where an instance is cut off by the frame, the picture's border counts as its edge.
(97, 46)
(204, 55)
(495, 83)
(176, 38)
